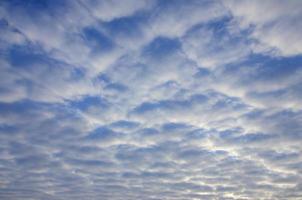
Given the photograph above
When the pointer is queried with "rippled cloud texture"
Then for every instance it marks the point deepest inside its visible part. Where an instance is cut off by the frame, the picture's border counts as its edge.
(143, 99)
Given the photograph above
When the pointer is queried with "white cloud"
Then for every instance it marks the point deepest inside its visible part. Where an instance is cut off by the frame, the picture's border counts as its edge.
(209, 49)
(173, 20)
(177, 109)
(109, 10)
(275, 24)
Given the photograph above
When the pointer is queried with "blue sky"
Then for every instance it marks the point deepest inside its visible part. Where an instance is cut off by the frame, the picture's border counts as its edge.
(150, 99)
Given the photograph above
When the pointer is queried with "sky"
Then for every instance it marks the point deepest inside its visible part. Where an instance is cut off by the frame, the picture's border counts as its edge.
(150, 99)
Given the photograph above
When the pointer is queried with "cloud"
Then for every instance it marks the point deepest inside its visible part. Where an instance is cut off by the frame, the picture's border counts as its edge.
(150, 100)
(217, 47)
(274, 29)
(110, 10)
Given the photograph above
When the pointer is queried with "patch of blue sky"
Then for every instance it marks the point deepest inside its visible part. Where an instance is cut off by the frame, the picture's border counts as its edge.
(98, 41)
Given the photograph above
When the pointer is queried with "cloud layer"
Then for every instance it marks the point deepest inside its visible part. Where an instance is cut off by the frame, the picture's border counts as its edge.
(150, 99)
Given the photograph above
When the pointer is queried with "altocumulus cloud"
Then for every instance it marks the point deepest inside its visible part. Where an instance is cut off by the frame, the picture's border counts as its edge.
(150, 99)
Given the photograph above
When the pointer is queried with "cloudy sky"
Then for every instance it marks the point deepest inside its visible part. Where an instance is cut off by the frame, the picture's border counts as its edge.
(150, 99)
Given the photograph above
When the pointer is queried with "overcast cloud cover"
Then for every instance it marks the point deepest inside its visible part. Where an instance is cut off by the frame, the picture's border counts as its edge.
(143, 99)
